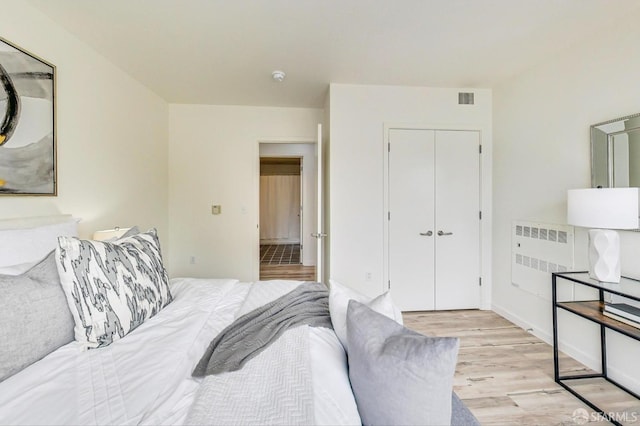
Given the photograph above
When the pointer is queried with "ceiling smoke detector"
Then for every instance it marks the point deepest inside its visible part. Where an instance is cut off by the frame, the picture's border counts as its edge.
(278, 76)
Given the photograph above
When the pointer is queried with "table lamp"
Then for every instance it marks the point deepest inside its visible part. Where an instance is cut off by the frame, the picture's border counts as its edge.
(110, 234)
(603, 210)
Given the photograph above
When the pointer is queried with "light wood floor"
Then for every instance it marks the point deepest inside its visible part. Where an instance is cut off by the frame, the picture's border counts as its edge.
(505, 375)
(287, 272)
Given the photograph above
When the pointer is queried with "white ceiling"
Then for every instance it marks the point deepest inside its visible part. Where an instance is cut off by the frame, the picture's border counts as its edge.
(223, 51)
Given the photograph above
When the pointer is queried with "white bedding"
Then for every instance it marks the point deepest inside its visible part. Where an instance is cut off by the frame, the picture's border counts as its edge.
(334, 402)
(145, 378)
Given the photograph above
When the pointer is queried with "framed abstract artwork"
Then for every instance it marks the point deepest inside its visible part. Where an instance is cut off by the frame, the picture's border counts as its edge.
(27, 123)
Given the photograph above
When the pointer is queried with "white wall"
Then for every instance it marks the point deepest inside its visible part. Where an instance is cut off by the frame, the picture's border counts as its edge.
(111, 134)
(214, 159)
(541, 149)
(358, 115)
(308, 153)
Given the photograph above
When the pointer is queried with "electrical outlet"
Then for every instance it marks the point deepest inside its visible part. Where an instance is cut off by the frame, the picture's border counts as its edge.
(367, 276)
(192, 260)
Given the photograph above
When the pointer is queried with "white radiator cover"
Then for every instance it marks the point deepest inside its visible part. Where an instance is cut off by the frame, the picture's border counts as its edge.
(537, 250)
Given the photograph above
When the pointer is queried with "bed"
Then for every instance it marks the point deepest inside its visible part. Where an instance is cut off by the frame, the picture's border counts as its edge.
(314, 373)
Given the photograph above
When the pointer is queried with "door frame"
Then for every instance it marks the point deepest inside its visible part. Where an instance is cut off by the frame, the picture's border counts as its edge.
(485, 200)
(255, 255)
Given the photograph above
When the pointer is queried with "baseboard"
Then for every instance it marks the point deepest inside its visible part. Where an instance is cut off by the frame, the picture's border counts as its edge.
(570, 350)
(522, 323)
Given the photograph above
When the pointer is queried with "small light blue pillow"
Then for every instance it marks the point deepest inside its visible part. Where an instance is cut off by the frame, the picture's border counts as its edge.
(398, 376)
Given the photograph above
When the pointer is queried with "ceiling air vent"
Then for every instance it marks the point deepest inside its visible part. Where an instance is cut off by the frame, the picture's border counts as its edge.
(465, 98)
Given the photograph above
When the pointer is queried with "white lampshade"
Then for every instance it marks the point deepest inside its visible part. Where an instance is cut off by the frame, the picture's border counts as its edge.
(109, 234)
(605, 208)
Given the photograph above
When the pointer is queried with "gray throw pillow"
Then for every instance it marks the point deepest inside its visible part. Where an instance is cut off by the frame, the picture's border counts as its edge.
(34, 316)
(460, 413)
(398, 376)
(112, 287)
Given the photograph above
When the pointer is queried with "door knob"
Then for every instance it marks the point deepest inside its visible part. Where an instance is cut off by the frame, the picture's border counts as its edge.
(319, 235)
(441, 233)
(426, 234)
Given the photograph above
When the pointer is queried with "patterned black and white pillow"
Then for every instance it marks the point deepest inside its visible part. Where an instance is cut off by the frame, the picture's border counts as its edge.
(112, 287)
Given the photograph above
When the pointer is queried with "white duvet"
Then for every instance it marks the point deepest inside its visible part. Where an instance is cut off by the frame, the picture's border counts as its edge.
(145, 378)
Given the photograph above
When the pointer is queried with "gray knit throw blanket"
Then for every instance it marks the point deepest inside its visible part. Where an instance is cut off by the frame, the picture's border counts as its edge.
(246, 337)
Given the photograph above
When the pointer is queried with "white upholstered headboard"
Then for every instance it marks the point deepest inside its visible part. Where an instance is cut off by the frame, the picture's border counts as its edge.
(34, 221)
(27, 240)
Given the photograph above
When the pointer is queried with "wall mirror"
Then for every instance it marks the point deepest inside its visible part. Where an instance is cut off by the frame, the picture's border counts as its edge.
(615, 153)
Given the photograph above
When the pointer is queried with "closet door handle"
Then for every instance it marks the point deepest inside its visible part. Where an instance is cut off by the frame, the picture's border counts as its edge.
(426, 234)
(441, 233)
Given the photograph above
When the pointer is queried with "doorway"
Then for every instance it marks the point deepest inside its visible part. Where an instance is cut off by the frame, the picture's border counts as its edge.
(281, 208)
(286, 219)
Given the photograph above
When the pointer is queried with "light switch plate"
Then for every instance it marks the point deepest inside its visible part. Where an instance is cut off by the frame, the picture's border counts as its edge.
(216, 209)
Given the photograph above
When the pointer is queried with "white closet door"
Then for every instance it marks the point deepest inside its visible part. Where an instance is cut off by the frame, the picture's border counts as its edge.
(457, 201)
(411, 194)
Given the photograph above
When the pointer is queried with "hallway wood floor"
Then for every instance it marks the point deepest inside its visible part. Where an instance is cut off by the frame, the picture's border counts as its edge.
(287, 272)
(505, 375)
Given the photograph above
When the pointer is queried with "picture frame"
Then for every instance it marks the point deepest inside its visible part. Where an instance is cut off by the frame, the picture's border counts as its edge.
(27, 123)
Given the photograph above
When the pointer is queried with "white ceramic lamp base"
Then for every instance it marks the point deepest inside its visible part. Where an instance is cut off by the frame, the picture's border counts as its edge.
(604, 255)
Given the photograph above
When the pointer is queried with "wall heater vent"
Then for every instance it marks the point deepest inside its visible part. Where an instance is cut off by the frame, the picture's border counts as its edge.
(538, 249)
(465, 98)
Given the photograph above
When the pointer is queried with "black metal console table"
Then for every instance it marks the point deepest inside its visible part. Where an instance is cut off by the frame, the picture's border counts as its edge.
(592, 310)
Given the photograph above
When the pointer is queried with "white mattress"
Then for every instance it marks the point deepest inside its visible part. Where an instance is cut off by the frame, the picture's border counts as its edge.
(145, 378)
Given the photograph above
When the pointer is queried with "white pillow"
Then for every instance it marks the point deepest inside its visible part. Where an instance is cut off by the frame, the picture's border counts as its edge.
(112, 287)
(339, 296)
(30, 245)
